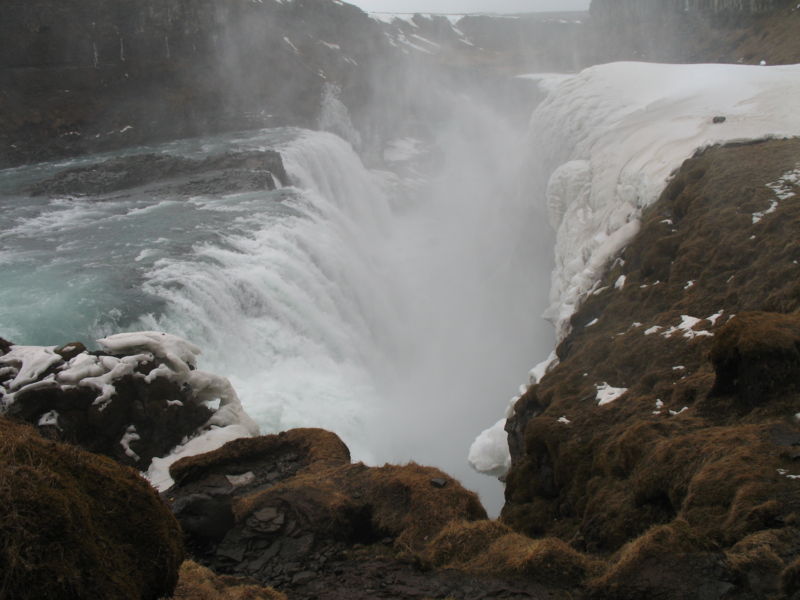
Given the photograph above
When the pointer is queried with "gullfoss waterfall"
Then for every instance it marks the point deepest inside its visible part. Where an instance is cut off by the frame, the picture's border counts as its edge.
(394, 310)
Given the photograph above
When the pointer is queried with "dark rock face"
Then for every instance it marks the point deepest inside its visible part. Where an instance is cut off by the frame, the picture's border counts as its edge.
(686, 482)
(84, 76)
(78, 525)
(290, 510)
(141, 420)
(229, 173)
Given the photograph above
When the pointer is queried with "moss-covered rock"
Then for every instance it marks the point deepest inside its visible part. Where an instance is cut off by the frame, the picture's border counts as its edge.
(703, 334)
(75, 525)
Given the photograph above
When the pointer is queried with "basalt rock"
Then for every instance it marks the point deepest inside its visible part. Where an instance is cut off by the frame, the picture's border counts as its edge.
(281, 509)
(78, 525)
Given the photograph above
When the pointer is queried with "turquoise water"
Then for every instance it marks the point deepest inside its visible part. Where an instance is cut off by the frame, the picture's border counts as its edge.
(400, 311)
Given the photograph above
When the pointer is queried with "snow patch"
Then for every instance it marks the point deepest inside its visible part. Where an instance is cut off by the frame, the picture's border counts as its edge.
(125, 442)
(607, 394)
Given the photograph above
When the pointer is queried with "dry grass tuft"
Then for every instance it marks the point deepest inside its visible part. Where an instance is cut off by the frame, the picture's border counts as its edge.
(78, 525)
(199, 583)
(489, 548)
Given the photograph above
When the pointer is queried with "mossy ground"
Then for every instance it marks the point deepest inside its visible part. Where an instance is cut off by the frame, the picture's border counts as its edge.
(694, 459)
(76, 525)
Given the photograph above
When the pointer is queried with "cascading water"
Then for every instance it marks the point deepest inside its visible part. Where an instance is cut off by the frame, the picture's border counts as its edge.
(403, 324)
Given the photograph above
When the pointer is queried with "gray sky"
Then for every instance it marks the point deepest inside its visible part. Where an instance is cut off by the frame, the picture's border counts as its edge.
(461, 6)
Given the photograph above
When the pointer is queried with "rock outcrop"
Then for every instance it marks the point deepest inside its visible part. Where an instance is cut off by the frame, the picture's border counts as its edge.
(78, 525)
(281, 508)
(136, 401)
(224, 174)
(665, 439)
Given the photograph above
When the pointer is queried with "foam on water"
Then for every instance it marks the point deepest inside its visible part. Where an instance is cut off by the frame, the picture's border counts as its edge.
(400, 325)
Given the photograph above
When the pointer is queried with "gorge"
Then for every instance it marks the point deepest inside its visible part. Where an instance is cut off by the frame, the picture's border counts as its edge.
(361, 238)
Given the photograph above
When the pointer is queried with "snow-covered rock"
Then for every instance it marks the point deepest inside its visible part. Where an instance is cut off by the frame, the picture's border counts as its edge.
(142, 401)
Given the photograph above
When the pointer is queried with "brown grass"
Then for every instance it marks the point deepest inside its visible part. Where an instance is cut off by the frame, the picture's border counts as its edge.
(199, 583)
(354, 502)
(78, 525)
(489, 548)
(621, 476)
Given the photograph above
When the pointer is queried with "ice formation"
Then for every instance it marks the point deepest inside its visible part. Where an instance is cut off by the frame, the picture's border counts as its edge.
(608, 139)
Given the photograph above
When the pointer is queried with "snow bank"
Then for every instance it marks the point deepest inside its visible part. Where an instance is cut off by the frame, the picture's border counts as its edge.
(612, 135)
(607, 140)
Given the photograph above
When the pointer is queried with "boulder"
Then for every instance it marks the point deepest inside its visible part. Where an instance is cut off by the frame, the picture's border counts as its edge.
(79, 525)
(279, 508)
(136, 401)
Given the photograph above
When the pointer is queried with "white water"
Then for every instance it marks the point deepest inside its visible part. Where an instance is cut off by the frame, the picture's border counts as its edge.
(401, 324)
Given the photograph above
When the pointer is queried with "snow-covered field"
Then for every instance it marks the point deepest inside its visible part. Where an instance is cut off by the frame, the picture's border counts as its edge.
(609, 138)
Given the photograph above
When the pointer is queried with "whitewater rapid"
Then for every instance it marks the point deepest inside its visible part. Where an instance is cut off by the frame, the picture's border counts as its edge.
(394, 310)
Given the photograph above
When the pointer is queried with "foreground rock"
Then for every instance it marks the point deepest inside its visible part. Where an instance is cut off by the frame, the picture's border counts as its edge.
(78, 525)
(292, 511)
(666, 438)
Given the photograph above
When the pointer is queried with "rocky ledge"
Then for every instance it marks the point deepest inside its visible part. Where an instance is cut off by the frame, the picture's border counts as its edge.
(227, 173)
(666, 438)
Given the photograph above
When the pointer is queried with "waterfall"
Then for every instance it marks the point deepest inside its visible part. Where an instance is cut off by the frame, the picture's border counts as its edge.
(403, 326)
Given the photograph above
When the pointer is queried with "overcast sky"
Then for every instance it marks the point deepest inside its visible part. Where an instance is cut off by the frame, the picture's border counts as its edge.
(462, 6)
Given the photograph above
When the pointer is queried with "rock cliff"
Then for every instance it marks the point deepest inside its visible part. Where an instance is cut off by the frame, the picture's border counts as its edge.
(79, 76)
(664, 439)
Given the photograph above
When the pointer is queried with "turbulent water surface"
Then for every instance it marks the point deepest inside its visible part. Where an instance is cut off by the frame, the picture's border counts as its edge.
(398, 310)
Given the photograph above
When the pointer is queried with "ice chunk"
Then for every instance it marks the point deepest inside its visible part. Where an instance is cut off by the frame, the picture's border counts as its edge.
(489, 452)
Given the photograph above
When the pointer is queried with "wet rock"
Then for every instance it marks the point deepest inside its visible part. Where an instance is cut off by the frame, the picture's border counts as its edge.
(70, 351)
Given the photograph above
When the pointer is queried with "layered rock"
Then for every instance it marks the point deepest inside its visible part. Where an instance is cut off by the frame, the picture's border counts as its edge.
(78, 525)
(224, 174)
(281, 508)
(639, 447)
